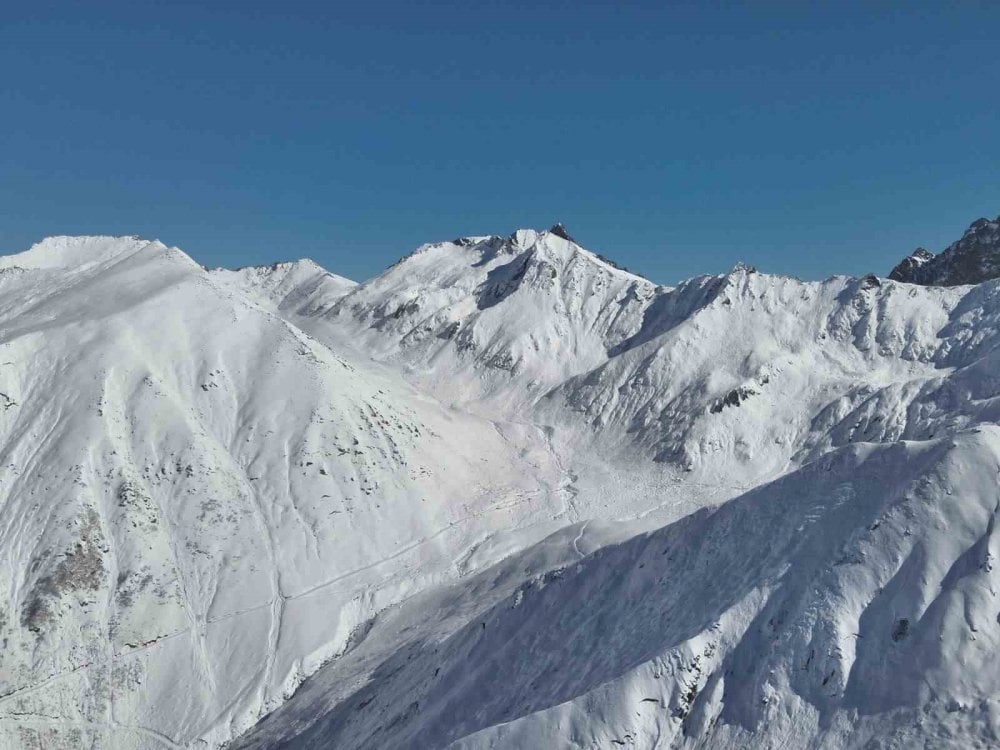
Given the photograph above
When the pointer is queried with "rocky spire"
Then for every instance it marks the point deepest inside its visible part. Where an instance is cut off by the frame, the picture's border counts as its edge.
(560, 231)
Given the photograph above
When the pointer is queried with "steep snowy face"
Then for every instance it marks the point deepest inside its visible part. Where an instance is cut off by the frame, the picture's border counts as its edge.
(200, 504)
(509, 316)
(973, 259)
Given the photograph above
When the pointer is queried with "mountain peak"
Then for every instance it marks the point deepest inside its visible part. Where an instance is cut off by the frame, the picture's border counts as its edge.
(981, 224)
(971, 260)
(62, 251)
(560, 231)
(908, 267)
(742, 268)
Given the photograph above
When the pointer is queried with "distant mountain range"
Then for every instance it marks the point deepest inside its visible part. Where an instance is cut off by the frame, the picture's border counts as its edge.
(506, 494)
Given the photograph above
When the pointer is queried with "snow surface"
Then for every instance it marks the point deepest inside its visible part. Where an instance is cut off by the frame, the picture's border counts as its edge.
(503, 495)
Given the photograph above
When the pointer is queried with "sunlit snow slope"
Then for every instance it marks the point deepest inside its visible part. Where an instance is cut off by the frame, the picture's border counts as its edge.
(849, 604)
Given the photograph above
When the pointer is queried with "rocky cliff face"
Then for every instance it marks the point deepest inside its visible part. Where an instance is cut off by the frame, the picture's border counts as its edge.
(973, 259)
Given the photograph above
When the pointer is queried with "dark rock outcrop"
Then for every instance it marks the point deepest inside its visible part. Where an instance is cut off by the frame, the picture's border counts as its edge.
(560, 231)
(907, 268)
(973, 259)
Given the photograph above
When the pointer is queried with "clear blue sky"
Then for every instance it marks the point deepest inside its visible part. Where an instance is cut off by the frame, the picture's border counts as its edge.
(804, 138)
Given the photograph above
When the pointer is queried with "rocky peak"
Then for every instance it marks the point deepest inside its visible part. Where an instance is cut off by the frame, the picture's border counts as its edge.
(560, 231)
(971, 260)
(906, 269)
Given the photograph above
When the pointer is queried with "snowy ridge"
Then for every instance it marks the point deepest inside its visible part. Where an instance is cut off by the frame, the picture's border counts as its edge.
(300, 286)
(720, 376)
(81, 253)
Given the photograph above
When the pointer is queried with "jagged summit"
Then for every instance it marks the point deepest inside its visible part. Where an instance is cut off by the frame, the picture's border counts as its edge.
(560, 231)
(971, 260)
(908, 268)
(554, 243)
(495, 303)
(280, 266)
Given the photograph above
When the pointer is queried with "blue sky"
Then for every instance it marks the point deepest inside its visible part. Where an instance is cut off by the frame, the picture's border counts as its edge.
(804, 138)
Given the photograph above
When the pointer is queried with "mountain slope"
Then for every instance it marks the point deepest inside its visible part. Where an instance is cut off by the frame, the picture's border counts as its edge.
(199, 504)
(865, 407)
(771, 371)
(849, 604)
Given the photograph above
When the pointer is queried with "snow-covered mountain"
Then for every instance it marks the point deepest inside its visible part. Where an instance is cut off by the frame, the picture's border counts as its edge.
(973, 259)
(505, 494)
(200, 504)
(740, 376)
(495, 315)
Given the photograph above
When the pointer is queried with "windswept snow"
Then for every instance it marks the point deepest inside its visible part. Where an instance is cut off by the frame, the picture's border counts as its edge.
(505, 494)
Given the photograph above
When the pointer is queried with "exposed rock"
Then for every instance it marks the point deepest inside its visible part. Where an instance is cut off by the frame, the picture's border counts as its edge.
(973, 259)
(870, 282)
(908, 267)
(560, 231)
(79, 569)
(735, 397)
